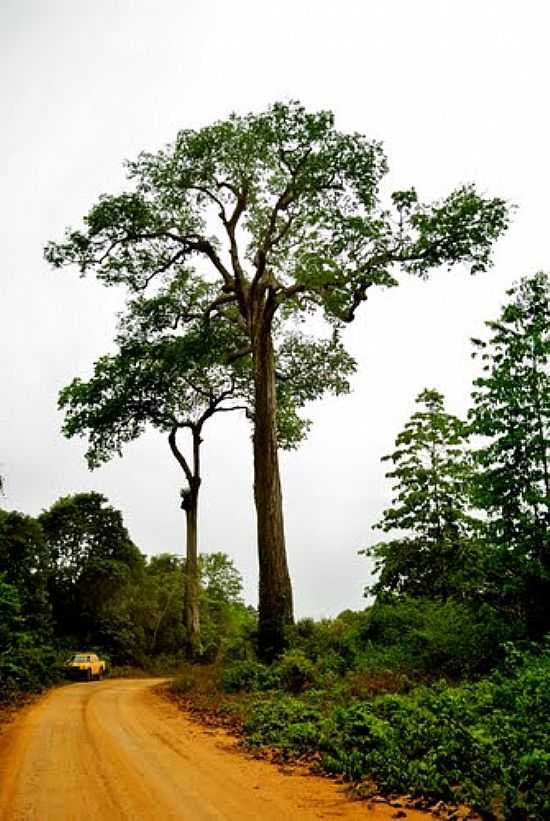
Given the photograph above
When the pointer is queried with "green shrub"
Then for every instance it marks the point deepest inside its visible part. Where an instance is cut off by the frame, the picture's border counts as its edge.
(183, 684)
(449, 638)
(295, 671)
(248, 676)
(287, 723)
(28, 662)
(410, 636)
(331, 644)
(481, 743)
(28, 668)
(485, 743)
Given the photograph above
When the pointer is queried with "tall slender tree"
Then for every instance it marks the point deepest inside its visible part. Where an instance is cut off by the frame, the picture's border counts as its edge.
(437, 552)
(299, 228)
(163, 385)
(511, 411)
(176, 381)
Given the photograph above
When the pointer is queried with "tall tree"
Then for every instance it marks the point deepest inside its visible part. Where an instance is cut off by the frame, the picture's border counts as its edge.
(25, 562)
(165, 579)
(437, 550)
(93, 560)
(229, 625)
(166, 385)
(300, 229)
(511, 411)
(176, 382)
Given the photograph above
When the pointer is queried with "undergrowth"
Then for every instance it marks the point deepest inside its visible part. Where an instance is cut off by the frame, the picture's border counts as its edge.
(485, 743)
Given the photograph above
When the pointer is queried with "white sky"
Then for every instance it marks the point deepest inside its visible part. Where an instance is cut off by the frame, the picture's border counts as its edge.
(457, 92)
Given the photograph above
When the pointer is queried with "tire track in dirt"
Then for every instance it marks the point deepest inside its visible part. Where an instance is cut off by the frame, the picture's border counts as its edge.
(116, 751)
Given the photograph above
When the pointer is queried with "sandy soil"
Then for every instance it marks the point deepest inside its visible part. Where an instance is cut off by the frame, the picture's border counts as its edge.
(115, 750)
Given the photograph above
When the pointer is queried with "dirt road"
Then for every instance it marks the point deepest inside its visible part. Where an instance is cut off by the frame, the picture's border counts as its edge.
(116, 750)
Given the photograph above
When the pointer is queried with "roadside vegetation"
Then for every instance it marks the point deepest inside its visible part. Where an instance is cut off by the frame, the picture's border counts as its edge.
(388, 726)
(72, 580)
(439, 688)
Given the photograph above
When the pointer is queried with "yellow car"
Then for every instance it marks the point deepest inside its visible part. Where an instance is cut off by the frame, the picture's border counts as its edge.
(87, 666)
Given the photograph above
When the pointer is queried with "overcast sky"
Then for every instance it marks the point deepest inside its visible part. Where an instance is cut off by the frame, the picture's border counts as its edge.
(457, 91)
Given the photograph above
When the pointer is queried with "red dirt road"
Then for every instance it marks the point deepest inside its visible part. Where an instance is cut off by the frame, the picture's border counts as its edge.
(115, 750)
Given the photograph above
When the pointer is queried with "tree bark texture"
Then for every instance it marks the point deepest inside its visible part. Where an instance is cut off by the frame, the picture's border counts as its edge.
(191, 592)
(275, 590)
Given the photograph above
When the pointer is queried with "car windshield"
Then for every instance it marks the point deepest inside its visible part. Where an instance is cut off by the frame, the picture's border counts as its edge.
(81, 658)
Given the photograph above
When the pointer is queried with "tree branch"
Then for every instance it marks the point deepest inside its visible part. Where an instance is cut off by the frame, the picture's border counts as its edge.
(190, 243)
(233, 357)
(231, 227)
(284, 200)
(225, 299)
(233, 408)
(208, 193)
(179, 455)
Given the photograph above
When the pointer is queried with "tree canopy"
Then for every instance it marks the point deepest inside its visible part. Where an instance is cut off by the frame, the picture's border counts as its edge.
(511, 412)
(93, 558)
(437, 551)
(305, 198)
(25, 563)
(172, 377)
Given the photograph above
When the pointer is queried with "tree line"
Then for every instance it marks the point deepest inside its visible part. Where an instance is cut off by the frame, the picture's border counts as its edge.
(72, 579)
(471, 502)
(467, 533)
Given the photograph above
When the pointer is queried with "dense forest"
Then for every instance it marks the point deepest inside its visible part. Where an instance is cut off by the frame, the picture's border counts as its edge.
(439, 687)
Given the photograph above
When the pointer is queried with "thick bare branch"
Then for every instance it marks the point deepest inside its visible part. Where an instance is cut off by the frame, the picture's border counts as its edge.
(231, 228)
(179, 455)
(206, 191)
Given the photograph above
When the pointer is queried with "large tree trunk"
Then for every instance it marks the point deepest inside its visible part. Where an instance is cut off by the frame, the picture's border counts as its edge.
(275, 590)
(191, 593)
